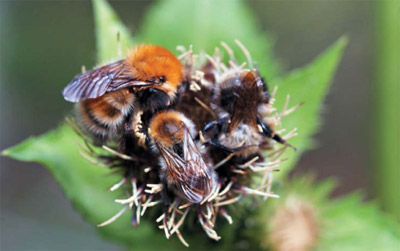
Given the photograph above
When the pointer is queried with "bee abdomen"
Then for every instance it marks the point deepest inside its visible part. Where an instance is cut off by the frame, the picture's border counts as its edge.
(104, 117)
(99, 132)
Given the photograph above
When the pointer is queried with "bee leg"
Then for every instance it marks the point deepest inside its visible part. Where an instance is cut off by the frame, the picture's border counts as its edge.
(267, 131)
(147, 140)
(125, 142)
(164, 194)
(224, 148)
(210, 130)
(213, 128)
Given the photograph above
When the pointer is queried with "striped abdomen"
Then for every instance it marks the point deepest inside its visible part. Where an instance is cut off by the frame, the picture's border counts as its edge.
(104, 117)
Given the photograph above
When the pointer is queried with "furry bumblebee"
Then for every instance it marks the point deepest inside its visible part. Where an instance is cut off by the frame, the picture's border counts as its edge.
(107, 96)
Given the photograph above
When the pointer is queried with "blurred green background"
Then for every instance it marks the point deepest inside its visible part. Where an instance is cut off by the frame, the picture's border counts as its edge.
(44, 44)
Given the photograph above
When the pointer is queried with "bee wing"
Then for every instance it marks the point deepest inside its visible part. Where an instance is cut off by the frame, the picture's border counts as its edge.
(176, 173)
(95, 83)
(190, 174)
(198, 176)
(175, 164)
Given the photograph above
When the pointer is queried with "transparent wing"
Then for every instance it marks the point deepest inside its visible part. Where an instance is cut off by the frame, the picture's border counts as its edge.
(190, 174)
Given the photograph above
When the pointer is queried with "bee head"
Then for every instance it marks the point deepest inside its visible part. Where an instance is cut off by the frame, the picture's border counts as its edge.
(168, 127)
(155, 64)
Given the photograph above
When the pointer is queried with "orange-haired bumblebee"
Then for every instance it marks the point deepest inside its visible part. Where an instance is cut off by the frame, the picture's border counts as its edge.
(147, 80)
(183, 166)
(239, 127)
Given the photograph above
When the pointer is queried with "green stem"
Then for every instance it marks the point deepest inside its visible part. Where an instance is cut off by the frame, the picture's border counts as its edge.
(386, 130)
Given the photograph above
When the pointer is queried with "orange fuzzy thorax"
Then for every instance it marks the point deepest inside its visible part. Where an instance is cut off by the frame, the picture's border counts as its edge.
(151, 61)
(167, 128)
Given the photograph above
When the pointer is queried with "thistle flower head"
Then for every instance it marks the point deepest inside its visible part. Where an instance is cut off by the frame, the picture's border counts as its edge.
(294, 226)
(243, 153)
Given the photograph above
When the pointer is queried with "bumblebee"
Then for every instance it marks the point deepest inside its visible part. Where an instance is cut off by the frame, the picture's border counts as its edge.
(184, 168)
(239, 127)
(146, 81)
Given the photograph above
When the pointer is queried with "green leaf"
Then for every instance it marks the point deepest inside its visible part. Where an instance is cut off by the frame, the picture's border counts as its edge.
(310, 85)
(204, 24)
(108, 26)
(350, 224)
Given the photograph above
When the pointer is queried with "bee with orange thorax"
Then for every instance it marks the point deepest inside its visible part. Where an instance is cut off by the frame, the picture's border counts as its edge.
(240, 128)
(146, 81)
(184, 167)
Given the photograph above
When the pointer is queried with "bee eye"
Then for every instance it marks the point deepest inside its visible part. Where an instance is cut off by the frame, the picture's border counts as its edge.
(162, 79)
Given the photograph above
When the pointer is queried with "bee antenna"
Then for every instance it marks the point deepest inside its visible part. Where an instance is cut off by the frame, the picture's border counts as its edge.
(279, 139)
(291, 146)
